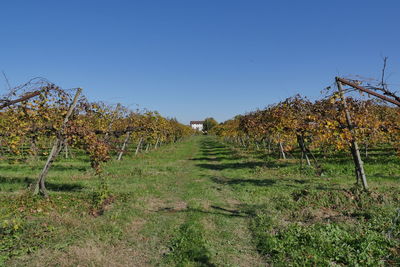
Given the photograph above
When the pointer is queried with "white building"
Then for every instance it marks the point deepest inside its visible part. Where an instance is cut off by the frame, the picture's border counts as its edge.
(197, 125)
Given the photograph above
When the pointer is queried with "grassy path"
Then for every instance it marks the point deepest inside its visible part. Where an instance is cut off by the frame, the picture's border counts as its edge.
(200, 216)
(198, 203)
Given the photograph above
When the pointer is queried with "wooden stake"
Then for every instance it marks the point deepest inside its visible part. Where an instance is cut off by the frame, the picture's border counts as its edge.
(139, 145)
(282, 151)
(158, 140)
(66, 149)
(360, 173)
(40, 187)
(124, 145)
(300, 141)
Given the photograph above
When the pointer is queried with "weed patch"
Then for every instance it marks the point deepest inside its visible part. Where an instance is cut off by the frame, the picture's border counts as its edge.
(323, 245)
(189, 247)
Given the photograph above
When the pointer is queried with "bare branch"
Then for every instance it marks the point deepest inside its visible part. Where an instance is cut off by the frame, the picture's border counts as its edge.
(7, 81)
(383, 84)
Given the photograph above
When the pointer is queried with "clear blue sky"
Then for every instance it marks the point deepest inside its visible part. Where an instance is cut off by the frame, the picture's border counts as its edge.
(191, 59)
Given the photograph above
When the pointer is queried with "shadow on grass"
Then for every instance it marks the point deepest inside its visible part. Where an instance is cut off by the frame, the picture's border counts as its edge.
(241, 165)
(256, 182)
(241, 210)
(55, 167)
(27, 181)
(215, 210)
(386, 177)
(219, 153)
(211, 158)
(69, 167)
(214, 152)
(376, 157)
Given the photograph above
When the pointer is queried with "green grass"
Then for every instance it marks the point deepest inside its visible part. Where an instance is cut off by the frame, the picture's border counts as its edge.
(189, 246)
(202, 203)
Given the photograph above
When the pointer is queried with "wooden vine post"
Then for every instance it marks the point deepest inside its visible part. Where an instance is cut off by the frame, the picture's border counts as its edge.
(359, 166)
(40, 187)
(139, 145)
(156, 145)
(124, 146)
(304, 154)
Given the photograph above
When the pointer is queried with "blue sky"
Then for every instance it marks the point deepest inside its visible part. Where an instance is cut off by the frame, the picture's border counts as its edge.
(192, 59)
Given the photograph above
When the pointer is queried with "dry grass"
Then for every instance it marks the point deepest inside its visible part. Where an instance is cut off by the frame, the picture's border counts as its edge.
(90, 253)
